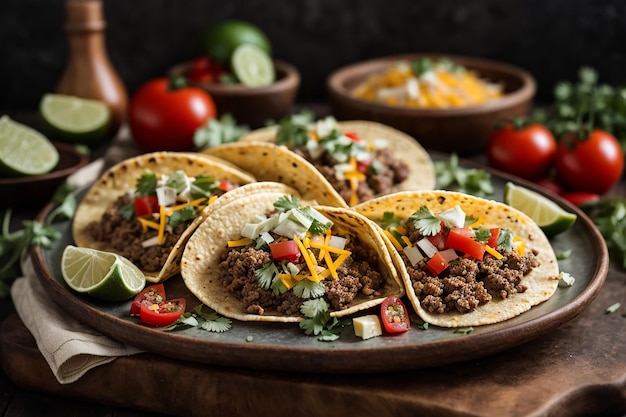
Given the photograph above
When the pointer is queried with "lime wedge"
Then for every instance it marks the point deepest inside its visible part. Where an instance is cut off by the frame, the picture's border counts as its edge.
(551, 217)
(103, 275)
(24, 151)
(252, 66)
(74, 119)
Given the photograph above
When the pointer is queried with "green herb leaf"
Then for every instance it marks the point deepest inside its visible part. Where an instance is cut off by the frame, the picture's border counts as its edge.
(482, 235)
(505, 239)
(286, 203)
(425, 222)
(266, 274)
(308, 289)
(390, 220)
(453, 177)
(183, 215)
(463, 330)
(203, 318)
(146, 184)
(293, 131)
(216, 132)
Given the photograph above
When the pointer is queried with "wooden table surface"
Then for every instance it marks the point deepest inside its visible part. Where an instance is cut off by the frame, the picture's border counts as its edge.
(579, 369)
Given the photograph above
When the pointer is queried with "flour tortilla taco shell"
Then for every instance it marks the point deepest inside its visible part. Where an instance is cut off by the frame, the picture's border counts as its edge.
(541, 281)
(122, 177)
(200, 264)
(282, 165)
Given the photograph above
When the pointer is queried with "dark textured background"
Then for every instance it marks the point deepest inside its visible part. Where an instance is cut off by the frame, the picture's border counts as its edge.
(550, 38)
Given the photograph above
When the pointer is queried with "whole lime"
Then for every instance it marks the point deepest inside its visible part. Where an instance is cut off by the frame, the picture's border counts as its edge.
(220, 40)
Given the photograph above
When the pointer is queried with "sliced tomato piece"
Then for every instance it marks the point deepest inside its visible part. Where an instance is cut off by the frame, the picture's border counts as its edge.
(285, 250)
(463, 240)
(153, 294)
(226, 185)
(493, 240)
(353, 135)
(164, 313)
(145, 206)
(439, 240)
(394, 314)
(436, 264)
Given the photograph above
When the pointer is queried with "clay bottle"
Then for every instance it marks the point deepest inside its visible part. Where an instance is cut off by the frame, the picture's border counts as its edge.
(89, 73)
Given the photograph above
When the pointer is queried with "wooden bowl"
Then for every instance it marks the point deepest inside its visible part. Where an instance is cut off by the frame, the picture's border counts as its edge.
(33, 192)
(463, 129)
(252, 106)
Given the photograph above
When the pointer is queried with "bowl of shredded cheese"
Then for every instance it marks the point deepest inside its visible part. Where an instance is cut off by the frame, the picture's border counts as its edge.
(448, 103)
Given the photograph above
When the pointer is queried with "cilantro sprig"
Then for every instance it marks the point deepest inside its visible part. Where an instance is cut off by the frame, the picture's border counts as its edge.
(216, 132)
(609, 215)
(202, 318)
(425, 222)
(318, 322)
(451, 176)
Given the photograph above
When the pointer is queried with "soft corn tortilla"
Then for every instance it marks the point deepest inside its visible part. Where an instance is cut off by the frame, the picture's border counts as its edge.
(280, 164)
(542, 281)
(123, 176)
(200, 262)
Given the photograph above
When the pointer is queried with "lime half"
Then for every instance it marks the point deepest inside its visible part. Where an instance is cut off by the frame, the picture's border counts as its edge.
(24, 151)
(252, 66)
(101, 274)
(74, 119)
(551, 217)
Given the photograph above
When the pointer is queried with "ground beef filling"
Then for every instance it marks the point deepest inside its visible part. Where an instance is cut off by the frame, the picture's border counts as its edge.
(356, 276)
(125, 237)
(392, 172)
(469, 283)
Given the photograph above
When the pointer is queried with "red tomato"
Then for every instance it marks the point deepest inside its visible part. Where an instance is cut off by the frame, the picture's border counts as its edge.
(151, 295)
(205, 70)
(493, 239)
(394, 315)
(593, 164)
(287, 249)
(527, 152)
(353, 135)
(226, 185)
(162, 118)
(146, 205)
(579, 198)
(162, 314)
(436, 264)
(463, 240)
(439, 240)
(550, 185)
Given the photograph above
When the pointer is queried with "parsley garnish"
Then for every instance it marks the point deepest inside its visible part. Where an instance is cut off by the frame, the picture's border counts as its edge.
(205, 320)
(146, 184)
(456, 178)
(286, 203)
(425, 222)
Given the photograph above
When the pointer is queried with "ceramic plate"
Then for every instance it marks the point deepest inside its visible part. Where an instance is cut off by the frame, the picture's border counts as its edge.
(284, 347)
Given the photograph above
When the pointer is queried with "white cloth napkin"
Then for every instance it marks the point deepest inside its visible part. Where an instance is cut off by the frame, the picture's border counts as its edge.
(70, 348)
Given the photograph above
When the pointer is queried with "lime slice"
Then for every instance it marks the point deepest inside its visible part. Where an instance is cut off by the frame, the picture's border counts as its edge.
(252, 66)
(551, 217)
(74, 119)
(104, 275)
(24, 151)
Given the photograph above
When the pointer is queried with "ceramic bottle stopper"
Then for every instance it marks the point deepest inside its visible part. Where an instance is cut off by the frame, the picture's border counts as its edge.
(89, 73)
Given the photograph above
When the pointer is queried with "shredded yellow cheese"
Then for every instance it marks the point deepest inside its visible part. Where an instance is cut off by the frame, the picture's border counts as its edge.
(162, 221)
(145, 224)
(493, 252)
(393, 240)
(288, 280)
(309, 263)
(240, 242)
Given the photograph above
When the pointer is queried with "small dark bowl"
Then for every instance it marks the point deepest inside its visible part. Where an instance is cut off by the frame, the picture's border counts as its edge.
(461, 129)
(33, 192)
(252, 106)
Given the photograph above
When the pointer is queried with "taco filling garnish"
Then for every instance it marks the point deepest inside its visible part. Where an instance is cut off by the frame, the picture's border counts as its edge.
(281, 260)
(466, 261)
(144, 224)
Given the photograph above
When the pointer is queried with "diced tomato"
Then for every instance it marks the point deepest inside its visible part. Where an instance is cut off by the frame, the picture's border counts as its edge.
(439, 240)
(151, 295)
(436, 264)
(226, 185)
(493, 240)
(145, 206)
(364, 165)
(164, 313)
(395, 316)
(462, 239)
(353, 135)
(287, 249)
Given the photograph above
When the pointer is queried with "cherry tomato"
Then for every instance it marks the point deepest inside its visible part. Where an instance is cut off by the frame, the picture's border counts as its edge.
(146, 205)
(527, 152)
(163, 117)
(463, 240)
(592, 164)
(205, 70)
(579, 198)
(395, 316)
(550, 185)
(151, 295)
(287, 249)
(162, 314)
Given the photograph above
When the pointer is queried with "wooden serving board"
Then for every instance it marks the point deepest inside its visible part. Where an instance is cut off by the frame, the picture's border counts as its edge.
(578, 370)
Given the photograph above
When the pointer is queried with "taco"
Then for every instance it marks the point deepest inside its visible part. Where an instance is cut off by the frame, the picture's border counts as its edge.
(265, 256)
(359, 159)
(466, 261)
(146, 207)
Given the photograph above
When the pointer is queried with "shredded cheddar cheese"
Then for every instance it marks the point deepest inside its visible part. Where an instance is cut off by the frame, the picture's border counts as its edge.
(493, 252)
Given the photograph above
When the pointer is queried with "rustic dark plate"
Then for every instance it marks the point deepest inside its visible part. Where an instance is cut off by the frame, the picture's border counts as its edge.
(284, 347)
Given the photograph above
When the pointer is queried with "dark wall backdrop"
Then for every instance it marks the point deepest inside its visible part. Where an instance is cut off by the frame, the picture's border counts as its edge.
(550, 38)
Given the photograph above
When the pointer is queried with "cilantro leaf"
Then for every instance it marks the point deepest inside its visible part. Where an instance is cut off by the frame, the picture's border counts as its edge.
(146, 184)
(450, 175)
(266, 274)
(183, 215)
(505, 239)
(216, 132)
(314, 307)
(425, 222)
(308, 289)
(203, 186)
(286, 203)
(293, 131)
(390, 220)
(482, 235)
